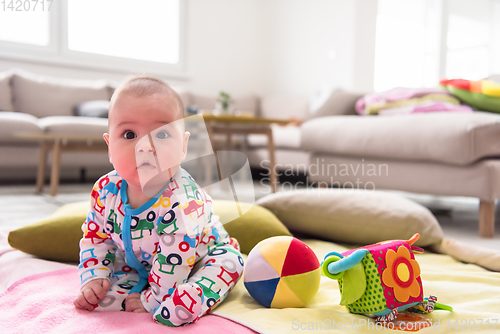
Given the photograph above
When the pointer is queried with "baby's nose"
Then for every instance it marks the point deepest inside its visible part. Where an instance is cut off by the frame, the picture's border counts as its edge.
(145, 145)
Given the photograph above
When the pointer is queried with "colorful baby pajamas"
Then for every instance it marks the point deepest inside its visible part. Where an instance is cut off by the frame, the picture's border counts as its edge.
(172, 250)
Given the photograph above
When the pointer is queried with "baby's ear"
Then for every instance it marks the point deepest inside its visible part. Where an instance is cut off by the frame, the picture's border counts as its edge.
(106, 138)
(185, 145)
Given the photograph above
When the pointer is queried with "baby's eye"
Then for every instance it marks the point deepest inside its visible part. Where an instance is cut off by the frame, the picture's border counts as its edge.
(162, 134)
(129, 135)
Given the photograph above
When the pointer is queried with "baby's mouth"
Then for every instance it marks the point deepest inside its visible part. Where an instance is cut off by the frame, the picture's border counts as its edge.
(146, 165)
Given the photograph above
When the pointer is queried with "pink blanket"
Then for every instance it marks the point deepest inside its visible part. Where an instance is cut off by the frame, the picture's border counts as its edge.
(401, 94)
(43, 303)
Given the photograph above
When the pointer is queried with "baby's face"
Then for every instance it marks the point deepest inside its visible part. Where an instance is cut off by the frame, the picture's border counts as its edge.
(146, 141)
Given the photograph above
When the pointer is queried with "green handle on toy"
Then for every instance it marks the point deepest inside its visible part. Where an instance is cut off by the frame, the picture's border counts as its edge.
(328, 268)
(439, 306)
(335, 264)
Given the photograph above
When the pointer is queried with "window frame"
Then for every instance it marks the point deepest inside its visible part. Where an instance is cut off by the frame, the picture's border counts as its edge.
(57, 52)
(441, 60)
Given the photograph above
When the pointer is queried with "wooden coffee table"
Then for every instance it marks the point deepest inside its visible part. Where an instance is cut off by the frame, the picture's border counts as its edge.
(216, 124)
(244, 125)
(59, 143)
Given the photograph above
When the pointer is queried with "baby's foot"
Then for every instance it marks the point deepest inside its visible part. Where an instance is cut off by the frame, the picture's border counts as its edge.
(182, 307)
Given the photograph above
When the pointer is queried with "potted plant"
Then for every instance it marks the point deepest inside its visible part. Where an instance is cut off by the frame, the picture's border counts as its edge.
(223, 103)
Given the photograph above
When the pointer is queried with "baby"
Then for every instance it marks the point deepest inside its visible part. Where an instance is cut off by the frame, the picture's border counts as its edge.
(151, 242)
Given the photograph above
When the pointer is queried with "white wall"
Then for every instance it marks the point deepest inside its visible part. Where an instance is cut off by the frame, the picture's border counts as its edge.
(225, 45)
(364, 48)
(263, 47)
(310, 44)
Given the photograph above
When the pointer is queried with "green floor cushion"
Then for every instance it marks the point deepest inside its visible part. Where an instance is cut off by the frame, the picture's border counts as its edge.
(57, 237)
(357, 217)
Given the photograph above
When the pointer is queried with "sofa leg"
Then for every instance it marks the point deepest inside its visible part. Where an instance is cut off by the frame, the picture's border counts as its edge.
(486, 218)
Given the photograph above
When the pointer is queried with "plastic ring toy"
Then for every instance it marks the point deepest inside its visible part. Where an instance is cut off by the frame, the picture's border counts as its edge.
(326, 263)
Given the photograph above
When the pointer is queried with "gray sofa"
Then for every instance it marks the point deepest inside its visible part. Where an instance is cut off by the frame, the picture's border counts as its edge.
(450, 154)
(444, 154)
(36, 104)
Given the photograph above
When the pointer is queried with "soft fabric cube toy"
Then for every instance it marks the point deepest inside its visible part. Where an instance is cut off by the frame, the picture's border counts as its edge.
(379, 280)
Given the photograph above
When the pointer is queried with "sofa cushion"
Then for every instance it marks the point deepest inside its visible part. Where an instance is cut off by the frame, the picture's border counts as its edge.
(202, 101)
(349, 216)
(5, 92)
(284, 107)
(74, 125)
(452, 138)
(13, 122)
(333, 103)
(287, 137)
(99, 108)
(43, 96)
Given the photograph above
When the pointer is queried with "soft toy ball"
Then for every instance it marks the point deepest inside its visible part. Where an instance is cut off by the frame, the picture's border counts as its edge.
(282, 272)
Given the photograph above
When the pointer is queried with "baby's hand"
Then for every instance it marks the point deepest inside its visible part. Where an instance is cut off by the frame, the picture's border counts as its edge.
(133, 303)
(91, 293)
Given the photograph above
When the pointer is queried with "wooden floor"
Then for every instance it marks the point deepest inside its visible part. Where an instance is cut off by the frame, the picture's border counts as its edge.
(458, 216)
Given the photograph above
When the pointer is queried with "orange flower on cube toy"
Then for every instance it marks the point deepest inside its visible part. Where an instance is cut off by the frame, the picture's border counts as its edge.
(401, 274)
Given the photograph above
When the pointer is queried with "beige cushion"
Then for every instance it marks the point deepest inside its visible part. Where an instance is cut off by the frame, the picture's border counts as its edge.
(338, 102)
(203, 101)
(284, 107)
(246, 103)
(5, 92)
(485, 257)
(13, 122)
(43, 96)
(283, 137)
(453, 138)
(76, 125)
(358, 217)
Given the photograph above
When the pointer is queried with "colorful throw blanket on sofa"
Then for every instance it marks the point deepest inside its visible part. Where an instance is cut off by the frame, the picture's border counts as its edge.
(481, 94)
(401, 101)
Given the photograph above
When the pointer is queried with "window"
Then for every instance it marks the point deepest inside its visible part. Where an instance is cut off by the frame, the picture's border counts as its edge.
(146, 30)
(419, 42)
(407, 44)
(468, 39)
(25, 22)
(120, 35)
